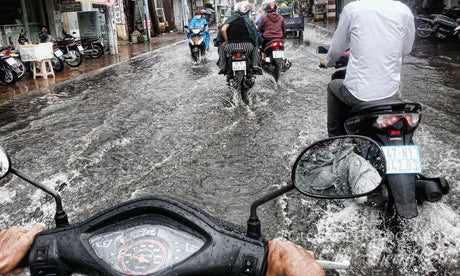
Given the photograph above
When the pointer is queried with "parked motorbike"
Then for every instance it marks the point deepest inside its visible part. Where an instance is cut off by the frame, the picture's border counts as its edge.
(9, 69)
(197, 44)
(92, 46)
(392, 123)
(439, 25)
(274, 61)
(72, 51)
(239, 73)
(159, 235)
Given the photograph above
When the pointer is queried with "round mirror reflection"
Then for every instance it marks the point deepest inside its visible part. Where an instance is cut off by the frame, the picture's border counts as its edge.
(4, 163)
(340, 167)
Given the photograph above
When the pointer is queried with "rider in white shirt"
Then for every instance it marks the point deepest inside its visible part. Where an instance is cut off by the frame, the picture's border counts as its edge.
(378, 33)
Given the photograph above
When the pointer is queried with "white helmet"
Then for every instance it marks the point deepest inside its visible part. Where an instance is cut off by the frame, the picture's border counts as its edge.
(244, 7)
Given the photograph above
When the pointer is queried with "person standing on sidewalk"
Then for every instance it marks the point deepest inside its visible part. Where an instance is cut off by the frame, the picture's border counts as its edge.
(378, 33)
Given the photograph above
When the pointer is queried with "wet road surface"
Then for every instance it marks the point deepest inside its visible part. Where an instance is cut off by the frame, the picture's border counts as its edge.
(158, 124)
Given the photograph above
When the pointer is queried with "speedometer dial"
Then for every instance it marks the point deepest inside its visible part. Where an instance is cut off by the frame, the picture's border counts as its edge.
(143, 257)
(141, 249)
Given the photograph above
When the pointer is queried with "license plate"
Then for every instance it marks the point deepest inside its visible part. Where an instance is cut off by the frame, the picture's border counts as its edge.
(58, 53)
(278, 54)
(239, 65)
(402, 159)
(80, 48)
(11, 61)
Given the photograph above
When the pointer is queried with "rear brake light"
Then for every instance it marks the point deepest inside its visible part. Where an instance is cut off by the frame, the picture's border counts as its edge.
(412, 119)
(277, 44)
(7, 52)
(238, 56)
(395, 132)
(384, 121)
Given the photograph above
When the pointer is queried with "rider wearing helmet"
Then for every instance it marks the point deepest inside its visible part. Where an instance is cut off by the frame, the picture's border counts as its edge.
(272, 25)
(285, 10)
(238, 32)
(200, 21)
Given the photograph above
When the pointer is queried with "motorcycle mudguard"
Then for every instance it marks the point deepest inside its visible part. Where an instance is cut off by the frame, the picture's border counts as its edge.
(279, 62)
(402, 188)
(239, 76)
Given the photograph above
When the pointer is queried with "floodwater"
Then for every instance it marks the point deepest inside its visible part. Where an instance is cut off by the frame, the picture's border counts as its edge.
(158, 124)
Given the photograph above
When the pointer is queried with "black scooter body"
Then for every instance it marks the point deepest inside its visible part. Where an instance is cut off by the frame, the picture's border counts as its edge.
(226, 249)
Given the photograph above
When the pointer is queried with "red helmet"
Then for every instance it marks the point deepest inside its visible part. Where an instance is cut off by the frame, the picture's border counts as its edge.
(271, 7)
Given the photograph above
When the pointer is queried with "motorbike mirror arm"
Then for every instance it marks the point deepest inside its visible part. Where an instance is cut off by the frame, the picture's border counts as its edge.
(254, 229)
(60, 217)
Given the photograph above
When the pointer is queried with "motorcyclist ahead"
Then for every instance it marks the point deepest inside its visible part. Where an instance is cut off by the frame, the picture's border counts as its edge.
(200, 22)
(238, 32)
(271, 26)
(378, 33)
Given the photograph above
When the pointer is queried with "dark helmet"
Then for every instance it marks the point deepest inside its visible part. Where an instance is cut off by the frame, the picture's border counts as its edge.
(271, 7)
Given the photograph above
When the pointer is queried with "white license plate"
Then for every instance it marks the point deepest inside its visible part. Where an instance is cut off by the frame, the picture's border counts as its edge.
(239, 65)
(11, 61)
(402, 159)
(278, 54)
(58, 53)
(80, 48)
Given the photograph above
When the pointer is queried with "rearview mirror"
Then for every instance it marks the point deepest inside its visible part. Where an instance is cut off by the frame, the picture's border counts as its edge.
(340, 167)
(5, 163)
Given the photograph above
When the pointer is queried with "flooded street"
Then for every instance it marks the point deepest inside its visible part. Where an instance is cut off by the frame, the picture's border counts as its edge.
(159, 125)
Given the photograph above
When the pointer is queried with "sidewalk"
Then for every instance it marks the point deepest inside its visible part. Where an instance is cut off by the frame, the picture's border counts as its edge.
(125, 51)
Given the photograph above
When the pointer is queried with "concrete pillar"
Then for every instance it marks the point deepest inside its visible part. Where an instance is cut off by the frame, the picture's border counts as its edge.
(111, 29)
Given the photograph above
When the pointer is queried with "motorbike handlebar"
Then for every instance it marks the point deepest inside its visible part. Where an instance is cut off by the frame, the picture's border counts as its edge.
(145, 236)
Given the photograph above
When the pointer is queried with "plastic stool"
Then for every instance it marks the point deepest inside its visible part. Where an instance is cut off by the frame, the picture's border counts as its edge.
(44, 71)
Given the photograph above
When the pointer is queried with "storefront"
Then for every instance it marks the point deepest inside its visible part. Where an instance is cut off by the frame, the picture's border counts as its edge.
(24, 16)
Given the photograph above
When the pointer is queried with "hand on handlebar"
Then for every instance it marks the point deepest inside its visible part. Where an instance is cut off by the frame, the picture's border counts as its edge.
(288, 259)
(14, 244)
(322, 63)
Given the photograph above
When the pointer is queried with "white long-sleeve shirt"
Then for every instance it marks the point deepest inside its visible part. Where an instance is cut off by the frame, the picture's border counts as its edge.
(379, 33)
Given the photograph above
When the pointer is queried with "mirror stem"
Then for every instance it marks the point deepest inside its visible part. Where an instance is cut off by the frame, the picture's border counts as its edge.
(61, 217)
(253, 221)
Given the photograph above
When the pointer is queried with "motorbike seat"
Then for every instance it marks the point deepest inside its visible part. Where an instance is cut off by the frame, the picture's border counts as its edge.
(64, 42)
(384, 106)
(90, 39)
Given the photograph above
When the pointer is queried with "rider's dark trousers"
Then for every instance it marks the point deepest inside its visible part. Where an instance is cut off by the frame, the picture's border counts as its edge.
(248, 48)
(339, 104)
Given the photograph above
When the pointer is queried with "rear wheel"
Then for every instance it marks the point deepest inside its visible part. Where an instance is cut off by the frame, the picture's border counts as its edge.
(244, 94)
(9, 76)
(58, 64)
(75, 60)
(98, 51)
(300, 37)
(276, 72)
(424, 30)
(21, 67)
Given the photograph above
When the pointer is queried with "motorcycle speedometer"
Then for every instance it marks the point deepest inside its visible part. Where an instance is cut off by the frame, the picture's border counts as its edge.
(144, 249)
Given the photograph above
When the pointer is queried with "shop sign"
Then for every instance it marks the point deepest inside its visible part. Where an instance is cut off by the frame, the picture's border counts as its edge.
(70, 6)
(100, 2)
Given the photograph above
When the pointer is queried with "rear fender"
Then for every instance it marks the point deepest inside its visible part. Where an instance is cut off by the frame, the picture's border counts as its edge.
(278, 62)
(402, 188)
(239, 76)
